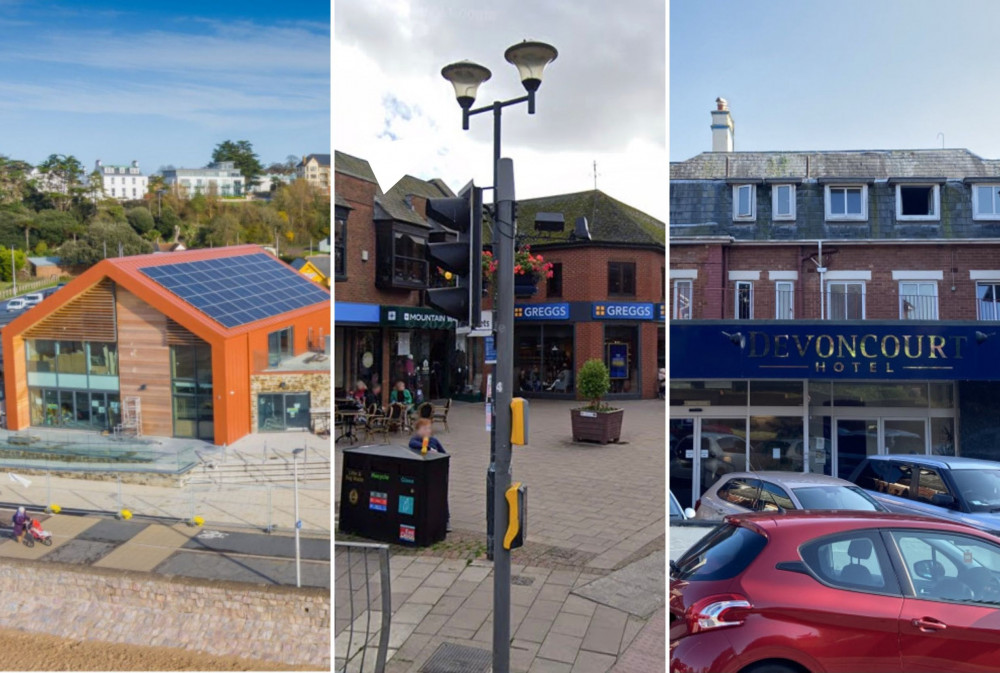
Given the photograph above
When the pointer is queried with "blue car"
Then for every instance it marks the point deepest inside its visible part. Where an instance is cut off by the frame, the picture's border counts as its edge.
(966, 490)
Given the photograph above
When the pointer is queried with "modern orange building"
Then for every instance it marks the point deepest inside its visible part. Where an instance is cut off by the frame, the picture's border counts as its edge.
(209, 344)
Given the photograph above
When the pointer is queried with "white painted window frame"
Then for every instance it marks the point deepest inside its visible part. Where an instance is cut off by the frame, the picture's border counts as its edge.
(788, 286)
(775, 215)
(737, 217)
(936, 191)
(976, 215)
(678, 282)
(736, 299)
(847, 281)
(862, 217)
(985, 280)
(919, 281)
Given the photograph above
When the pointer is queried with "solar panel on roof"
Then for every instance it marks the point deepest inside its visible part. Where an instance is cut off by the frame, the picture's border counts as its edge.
(235, 291)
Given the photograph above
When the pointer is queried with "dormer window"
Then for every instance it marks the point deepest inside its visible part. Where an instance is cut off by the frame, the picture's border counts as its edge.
(847, 202)
(918, 202)
(744, 203)
(783, 202)
(986, 201)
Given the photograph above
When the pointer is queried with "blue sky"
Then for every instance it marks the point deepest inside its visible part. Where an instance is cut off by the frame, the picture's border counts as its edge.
(868, 74)
(163, 83)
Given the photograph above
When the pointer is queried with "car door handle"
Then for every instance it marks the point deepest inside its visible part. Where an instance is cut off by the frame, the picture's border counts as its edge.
(929, 624)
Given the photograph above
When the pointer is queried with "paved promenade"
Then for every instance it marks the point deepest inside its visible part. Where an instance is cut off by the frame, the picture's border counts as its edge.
(589, 580)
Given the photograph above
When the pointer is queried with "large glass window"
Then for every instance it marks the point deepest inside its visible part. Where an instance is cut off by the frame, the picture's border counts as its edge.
(988, 300)
(279, 346)
(776, 443)
(708, 393)
(75, 365)
(918, 300)
(74, 409)
(845, 301)
(191, 368)
(543, 359)
(410, 263)
(282, 411)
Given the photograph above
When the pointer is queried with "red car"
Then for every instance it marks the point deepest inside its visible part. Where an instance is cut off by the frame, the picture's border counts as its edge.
(836, 591)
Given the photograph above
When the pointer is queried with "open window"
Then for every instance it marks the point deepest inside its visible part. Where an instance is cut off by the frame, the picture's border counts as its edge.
(744, 203)
(918, 202)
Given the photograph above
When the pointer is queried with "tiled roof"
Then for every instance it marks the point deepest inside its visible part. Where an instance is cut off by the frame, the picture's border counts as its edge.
(353, 166)
(321, 262)
(609, 220)
(321, 159)
(875, 164)
(395, 207)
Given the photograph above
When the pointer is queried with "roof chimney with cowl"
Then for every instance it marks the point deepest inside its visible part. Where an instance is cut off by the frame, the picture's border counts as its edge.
(722, 127)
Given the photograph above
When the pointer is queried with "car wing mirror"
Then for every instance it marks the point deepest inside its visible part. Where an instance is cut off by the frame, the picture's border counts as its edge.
(943, 500)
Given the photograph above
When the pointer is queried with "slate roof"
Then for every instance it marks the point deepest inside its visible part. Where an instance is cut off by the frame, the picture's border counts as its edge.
(321, 262)
(428, 189)
(953, 164)
(393, 204)
(321, 159)
(340, 201)
(610, 220)
(353, 166)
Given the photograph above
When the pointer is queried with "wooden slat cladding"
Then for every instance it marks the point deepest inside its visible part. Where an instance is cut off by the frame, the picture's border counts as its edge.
(89, 317)
(144, 360)
(178, 335)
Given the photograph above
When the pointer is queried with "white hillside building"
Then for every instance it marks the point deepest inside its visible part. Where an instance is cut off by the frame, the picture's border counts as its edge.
(125, 183)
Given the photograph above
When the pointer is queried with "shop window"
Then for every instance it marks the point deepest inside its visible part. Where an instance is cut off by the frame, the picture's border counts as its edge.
(777, 441)
(988, 300)
(683, 293)
(918, 300)
(543, 359)
(845, 300)
(744, 300)
(401, 256)
(621, 348)
(278, 412)
(279, 346)
(621, 279)
(340, 244)
(554, 284)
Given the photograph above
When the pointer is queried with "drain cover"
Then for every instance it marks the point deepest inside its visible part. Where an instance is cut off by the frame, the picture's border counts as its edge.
(453, 658)
(522, 580)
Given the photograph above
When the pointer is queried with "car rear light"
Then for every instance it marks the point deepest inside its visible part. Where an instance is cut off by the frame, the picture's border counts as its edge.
(716, 612)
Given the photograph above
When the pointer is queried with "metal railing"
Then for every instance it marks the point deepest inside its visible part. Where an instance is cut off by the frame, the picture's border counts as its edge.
(357, 590)
(918, 307)
(27, 286)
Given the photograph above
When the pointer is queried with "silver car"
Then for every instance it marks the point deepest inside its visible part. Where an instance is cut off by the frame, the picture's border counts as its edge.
(742, 492)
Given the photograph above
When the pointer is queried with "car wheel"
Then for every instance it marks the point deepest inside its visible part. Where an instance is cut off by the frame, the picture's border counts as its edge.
(774, 667)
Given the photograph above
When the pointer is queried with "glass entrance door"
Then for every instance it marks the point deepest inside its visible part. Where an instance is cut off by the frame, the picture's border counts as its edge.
(856, 440)
(684, 460)
(701, 451)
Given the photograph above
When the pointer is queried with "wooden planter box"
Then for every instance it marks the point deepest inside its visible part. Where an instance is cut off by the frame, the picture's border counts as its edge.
(597, 426)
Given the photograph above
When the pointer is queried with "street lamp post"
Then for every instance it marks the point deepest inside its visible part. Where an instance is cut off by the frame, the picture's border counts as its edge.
(530, 58)
(298, 522)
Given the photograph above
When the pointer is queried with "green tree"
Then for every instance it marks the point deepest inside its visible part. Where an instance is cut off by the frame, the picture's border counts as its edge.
(20, 262)
(14, 177)
(224, 229)
(104, 235)
(169, 223)
(53, 227)
(140, 218)
(242, 155)
(63, 174)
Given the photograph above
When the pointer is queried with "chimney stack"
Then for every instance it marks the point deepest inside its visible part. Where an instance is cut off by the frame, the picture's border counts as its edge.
(722, 127)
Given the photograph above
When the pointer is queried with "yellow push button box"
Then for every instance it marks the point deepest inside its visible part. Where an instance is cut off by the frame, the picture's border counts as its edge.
(517, 515)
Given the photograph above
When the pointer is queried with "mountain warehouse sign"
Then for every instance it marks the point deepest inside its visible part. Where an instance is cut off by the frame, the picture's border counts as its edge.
(705, 350)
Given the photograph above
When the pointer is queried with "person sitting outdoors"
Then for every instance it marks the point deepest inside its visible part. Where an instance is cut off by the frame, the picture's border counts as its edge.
(400, 395)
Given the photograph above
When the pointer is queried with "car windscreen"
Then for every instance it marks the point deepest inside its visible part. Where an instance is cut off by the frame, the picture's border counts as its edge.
(836, 497)
(980, 488)
(722, 554)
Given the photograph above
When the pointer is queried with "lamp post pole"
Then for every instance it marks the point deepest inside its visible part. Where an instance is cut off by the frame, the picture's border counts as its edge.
(298, 522)
(530, 58)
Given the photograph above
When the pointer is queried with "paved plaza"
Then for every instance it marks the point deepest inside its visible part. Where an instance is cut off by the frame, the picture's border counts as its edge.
(587, 588)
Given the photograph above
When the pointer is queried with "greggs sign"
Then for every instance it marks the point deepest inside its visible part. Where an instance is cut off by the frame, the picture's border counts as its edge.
(827, 350)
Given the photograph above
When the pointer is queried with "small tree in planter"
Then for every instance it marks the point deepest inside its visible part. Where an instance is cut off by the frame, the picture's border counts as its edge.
(598, 421)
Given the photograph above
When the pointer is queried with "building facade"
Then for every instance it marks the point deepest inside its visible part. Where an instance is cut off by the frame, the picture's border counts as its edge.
(605, 298)
(383, 332)
(221, 178)
(315, 169)
(827, 306)
(122, 182)
(205, 344)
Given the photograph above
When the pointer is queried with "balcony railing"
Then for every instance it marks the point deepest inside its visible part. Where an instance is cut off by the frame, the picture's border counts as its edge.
(918, 307)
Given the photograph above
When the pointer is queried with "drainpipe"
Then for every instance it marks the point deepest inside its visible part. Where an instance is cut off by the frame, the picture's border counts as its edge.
(800, 300)
(822, 277)
(724, 277)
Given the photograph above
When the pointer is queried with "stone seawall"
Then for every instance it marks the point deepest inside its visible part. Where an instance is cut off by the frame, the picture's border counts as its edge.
(276, 624)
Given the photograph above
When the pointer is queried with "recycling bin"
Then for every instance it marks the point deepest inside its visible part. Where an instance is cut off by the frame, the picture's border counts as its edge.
(394, 494)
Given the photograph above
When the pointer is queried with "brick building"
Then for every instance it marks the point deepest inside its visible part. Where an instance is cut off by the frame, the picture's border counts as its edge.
(383, 332)
(826, 306)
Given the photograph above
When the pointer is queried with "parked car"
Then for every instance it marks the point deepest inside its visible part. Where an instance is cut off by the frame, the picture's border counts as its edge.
(678, 513)
(768, 491)
(33, 298)
(49, 291)
(966, 490)
(829, 591)
(16, 304)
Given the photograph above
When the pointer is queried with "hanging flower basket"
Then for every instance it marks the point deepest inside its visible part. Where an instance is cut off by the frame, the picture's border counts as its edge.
(528, 270)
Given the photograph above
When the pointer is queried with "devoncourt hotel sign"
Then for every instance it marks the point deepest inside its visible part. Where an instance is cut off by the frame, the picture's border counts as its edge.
(850, 351)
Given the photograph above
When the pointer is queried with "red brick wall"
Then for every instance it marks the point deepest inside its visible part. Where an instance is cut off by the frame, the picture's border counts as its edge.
(713, 262)
(360, 283)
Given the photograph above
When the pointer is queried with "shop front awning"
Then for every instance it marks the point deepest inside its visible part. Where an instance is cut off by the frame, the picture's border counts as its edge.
(835, 350)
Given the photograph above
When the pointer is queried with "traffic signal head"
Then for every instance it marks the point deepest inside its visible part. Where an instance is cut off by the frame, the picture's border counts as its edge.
(460, 258)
